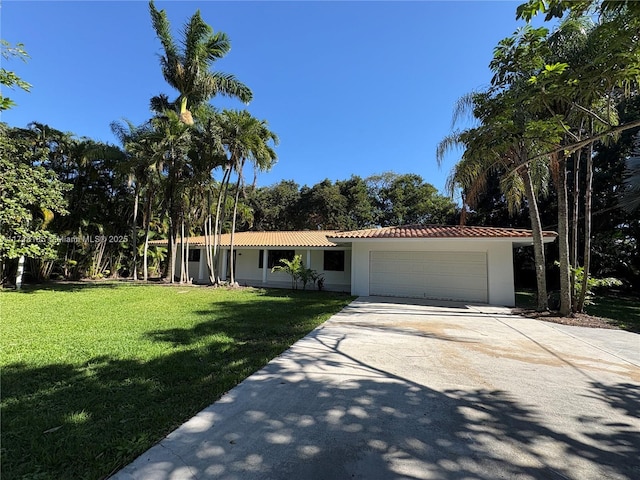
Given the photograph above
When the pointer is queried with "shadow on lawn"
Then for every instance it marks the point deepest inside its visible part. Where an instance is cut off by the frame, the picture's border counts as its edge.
(85, 422)
(74, 286)
(70, 421)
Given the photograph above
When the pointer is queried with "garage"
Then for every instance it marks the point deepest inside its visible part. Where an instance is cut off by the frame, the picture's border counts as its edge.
(429, 274)
(449, 262)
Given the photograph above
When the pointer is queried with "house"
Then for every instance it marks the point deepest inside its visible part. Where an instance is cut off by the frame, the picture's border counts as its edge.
(256, 253)
(463, 263)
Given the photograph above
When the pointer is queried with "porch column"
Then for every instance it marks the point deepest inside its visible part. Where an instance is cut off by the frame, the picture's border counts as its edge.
(202, 265)
(265, 264)
(223, 270)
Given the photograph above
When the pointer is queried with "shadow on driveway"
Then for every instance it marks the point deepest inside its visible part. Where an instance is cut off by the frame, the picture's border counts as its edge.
(348, 402)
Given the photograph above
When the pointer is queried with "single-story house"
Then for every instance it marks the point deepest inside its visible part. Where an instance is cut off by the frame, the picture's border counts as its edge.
(464, 263)
(256, 253)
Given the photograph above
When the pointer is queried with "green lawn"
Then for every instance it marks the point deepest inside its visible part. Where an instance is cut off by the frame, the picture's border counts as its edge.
(93, 375)
(622, 310)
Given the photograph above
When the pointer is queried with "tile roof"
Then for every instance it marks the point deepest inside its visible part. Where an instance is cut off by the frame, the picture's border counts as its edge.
(438, 231)
(321, 238)
(303, 238)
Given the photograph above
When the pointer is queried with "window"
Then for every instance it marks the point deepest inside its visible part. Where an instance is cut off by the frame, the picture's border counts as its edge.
(274, 257)
(334, 260)
(194, 254)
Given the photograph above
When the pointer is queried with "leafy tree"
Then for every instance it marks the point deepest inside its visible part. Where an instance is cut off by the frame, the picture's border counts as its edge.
(188, 70)
(8, 78)
(322, 207)
(360, 210)
(407, 199)
(30, 196)
(631, 196)
(275, 207)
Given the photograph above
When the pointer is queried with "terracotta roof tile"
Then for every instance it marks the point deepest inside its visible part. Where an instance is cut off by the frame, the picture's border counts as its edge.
(321, 238)
(438, 231)
(303, 238)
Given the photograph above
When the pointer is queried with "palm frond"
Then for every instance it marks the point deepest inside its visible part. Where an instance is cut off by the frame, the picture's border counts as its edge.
(218, 45)
(447, 144)
(162, 28)
(195, 35)
(512, 187)
(227, 85)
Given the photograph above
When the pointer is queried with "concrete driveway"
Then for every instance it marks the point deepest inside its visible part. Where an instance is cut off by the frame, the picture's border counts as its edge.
(393, 389)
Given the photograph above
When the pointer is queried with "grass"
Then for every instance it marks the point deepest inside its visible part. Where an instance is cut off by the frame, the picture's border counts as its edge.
(622, 310)
(93, 375)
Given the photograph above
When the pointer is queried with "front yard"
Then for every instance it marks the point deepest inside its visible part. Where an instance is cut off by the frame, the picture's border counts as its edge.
(93, 375)
(610, 310)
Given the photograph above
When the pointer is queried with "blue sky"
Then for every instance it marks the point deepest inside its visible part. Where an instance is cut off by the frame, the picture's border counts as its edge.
(350, 87)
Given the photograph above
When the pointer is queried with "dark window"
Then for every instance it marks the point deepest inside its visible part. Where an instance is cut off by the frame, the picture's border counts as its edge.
(274, 257)
(194, 254)
(334, 260)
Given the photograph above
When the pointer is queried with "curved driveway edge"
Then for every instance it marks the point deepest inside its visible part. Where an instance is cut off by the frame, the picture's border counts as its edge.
(401, 389)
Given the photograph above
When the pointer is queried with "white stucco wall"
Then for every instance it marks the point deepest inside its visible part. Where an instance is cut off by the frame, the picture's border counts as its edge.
(247, 271)
(197, 271)
(499, 261)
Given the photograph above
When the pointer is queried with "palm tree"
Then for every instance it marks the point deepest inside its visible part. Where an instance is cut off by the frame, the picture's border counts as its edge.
(503, 144)
(145, 174)
(172, 140)
(188, 69)
(244, 138)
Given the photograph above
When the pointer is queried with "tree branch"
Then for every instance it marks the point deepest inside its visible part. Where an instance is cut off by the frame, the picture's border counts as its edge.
(583, 143)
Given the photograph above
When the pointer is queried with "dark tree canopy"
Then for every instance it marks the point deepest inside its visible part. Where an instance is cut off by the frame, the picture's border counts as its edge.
(381, 200)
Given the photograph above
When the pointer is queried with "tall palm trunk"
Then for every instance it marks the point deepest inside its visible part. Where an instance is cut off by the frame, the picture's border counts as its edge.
(575, 215)
(147, 227)
(134, 229)
(208, 245)
(220, 208)
(233, 224)
(173, 250)
(538, 243)
(563, 240)
(587, 229)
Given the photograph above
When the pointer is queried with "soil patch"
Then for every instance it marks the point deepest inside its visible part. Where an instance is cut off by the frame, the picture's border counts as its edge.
(577, 319)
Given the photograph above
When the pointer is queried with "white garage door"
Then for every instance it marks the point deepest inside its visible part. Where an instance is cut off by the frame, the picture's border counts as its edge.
(441, 275)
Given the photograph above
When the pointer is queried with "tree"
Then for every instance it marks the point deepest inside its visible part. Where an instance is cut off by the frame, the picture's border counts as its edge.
(360, 210)
(30, 196)
(245, 138)
(275, 207)
(8, 78)
(408, 200)
(507, 136)
(144, 174)
(322, 207)
(631, 196)
(188, 69)
(297, 270)
(585, 70)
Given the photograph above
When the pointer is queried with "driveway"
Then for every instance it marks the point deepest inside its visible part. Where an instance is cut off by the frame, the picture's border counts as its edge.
(394, 389)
